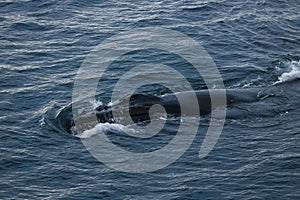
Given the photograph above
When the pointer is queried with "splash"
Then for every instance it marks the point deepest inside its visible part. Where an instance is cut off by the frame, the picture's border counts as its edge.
(96, 104)
(293, 74)
(104, 128)
(42, 121)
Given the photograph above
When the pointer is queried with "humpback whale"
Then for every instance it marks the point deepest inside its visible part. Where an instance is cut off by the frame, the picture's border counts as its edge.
(243, 102)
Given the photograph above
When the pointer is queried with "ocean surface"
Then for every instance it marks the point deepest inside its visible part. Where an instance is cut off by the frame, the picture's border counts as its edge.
(44, 43)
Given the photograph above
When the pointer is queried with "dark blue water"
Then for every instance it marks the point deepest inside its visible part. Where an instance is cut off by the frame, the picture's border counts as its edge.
(43, 44)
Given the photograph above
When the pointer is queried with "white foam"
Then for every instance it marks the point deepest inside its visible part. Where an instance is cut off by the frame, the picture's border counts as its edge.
(293, 74)
(104, 128)
(42, 121)
(110, 104)
(96, 104)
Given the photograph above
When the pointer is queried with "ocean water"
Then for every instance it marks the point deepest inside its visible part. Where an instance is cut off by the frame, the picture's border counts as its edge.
(44, 43)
